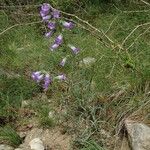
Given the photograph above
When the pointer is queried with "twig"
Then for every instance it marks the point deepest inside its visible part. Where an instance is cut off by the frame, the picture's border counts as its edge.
(19, 6)
(111, 24)
(137, 11)
(83, 27)
(112, 68)
(137, 38)
(141, 107)
(26, 14)
(145, 2)
(133, 32)
(85, 22)
(21, 24)
(94, 28)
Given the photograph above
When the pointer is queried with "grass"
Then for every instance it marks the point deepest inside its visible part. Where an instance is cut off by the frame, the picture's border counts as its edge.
(9, 135)
(96, 97)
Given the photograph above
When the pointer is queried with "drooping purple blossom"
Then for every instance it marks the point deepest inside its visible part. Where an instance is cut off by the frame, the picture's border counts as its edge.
(37, 76)
(61, 77)
(74, 49)
(68, 25)
(46, 18)
(51, 25)
(47, 81)
(48, 34)
(45, 7)
(56, 14)
(62, 63)
(54, 46)
(59, 39)
(43, 14)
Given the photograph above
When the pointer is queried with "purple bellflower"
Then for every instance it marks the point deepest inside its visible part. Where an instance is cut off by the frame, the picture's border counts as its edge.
(43, 14)
(74, 49)
(54, 46)
(68, 25)
(51, 25)
(47, 81)
(59, 39)
(63, 62)
(48, 34)
(61, 77)
(46, 18)
(45, 7)
(37, 76)
(56, 14)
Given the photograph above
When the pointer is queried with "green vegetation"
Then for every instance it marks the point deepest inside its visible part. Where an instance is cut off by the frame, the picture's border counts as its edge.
(9, 135)
(95, 97)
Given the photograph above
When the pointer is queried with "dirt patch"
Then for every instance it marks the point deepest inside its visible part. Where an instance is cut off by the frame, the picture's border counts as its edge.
(53, 139)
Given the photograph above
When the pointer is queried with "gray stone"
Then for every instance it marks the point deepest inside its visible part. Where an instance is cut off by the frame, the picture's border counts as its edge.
(37, 139)
(22, 134)
(87, 61)
(36, 144)
(5, 147)
(51, 114)
(139, 135)
(24, 104)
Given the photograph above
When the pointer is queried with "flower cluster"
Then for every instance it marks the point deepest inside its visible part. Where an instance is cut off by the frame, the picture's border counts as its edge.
(45, 79)
(53, 18)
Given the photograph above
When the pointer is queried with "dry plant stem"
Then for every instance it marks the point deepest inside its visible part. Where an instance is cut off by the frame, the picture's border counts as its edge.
(111, 24)
(85, 22)
(3, 6)
(137, 38)
(138, 26)
(92, 33)
(137, 11)
(21, 24)
(145, 2)
(141, 107)
(27, 14)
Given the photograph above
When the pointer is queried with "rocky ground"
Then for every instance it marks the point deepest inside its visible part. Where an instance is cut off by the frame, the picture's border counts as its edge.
(137, 138)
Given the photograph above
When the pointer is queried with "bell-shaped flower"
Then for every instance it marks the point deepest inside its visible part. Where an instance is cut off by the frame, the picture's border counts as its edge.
(56, 14)
(59, 39)
(61, 77)
(46, 18)
(37, 76)
(63, 62)
(43, 14)
(74, 49)
(54, 46)
(45, 7)
(51, 25)
(48, 34)
(47, 81)
(68, 25)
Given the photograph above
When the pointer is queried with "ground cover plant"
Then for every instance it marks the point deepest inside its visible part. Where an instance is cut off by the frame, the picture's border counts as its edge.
(92, 99)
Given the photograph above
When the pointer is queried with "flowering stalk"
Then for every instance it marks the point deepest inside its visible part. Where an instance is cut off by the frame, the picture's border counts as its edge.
(52, 18)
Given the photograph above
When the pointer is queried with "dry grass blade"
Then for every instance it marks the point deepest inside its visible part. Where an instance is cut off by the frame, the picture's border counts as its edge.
(21, 24)
(138, 26)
